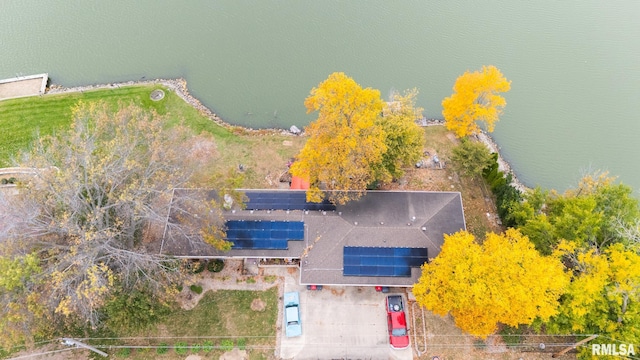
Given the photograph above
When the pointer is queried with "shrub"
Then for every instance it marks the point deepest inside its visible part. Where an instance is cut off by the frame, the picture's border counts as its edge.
(251, 280)
(196, 289)
(135, 310)
(207, 346)
(512, 336)
(181, 348)
(226, 345)
(163, 348)
(506, 195)
(242, 343)
(480, 344)
(270, 278)
(196, 348)
(124, 352)
(196, 266)
(215, 265)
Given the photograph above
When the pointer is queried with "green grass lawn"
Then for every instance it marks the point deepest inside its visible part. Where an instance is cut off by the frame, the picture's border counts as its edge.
(221, 317)
(262, 153)
(24, 119)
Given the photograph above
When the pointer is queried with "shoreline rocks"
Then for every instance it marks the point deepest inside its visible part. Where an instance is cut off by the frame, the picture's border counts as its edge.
(179, 86)
(503, 165)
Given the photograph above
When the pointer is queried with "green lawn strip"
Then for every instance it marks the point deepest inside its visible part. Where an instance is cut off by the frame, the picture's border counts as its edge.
(221, 315)
(228, 313)
(24, 119)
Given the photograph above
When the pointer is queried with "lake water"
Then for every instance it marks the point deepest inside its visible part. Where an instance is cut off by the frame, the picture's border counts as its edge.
(573, 64)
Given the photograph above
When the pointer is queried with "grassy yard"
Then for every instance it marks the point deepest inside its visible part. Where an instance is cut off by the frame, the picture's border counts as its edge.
(263, 153)
(221, 319)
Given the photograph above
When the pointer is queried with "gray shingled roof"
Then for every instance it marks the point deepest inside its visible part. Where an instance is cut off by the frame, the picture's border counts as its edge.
(379, 219)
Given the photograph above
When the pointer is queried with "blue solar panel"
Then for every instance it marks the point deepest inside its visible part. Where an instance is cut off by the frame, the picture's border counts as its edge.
(379, 261)
(261, 234)
(284, 200)
(402, 251)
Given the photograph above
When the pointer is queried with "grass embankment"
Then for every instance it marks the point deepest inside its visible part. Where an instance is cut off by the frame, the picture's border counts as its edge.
(221, 320)
(264, 157)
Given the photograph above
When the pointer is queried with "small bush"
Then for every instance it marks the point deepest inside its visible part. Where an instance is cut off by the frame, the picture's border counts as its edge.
(251, 280)
(207, 346)
(181, 348)
(196, 348)
(242, 343)
(270, 278)
(196, 289)
(163, 348)
(226, 345)
(215, 265)
(480, 344)
(124, 352)
(196, 266)
(135, 310)
(512, 336)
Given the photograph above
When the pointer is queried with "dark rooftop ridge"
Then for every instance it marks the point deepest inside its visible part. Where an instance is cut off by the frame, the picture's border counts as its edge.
(404, 219)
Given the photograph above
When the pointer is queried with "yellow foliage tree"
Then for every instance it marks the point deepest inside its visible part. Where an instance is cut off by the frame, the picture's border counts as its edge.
(343, 142)
(604, 294)
(476, 98)
(504, 280)
(404, 138)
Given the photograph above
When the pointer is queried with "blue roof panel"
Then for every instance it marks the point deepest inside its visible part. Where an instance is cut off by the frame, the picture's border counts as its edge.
(381, 261)
(257, 234)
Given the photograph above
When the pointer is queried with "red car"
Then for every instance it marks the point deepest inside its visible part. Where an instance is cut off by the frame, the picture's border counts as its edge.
(397, 322)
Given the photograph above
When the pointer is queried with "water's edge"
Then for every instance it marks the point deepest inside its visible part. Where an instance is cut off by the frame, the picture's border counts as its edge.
(179, 86)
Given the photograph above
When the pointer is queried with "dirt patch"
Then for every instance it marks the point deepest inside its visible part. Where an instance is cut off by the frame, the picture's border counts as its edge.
(234, 354)
(258, 305)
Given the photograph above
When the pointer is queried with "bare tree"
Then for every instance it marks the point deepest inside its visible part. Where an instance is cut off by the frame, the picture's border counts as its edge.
(101, 193)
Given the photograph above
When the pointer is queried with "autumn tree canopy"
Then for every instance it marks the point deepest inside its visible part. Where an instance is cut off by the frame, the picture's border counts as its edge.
(404, 138)
(504, 280)
(80, 227)
(604, 294)
(351, 144)
(592, 214)
(476, 98)
(471, 158)
(344, 141)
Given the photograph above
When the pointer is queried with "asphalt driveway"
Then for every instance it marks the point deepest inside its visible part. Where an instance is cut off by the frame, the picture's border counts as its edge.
(341, 323)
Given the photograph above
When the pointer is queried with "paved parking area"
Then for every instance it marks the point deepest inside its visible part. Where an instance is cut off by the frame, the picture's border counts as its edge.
(341, 323)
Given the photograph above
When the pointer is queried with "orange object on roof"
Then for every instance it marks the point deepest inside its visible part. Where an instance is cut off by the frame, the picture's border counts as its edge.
(298, 183)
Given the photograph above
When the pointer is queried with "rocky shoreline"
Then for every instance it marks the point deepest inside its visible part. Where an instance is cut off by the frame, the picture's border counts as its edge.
(179, 86)
(503, 165)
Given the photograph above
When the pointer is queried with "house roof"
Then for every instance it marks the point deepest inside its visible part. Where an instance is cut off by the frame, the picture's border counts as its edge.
(415, 219)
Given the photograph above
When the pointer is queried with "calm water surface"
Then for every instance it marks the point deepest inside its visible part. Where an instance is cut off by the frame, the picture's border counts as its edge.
(574, 65)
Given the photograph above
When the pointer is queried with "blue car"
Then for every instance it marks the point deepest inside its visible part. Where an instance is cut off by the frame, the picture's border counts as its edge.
(292, 325)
